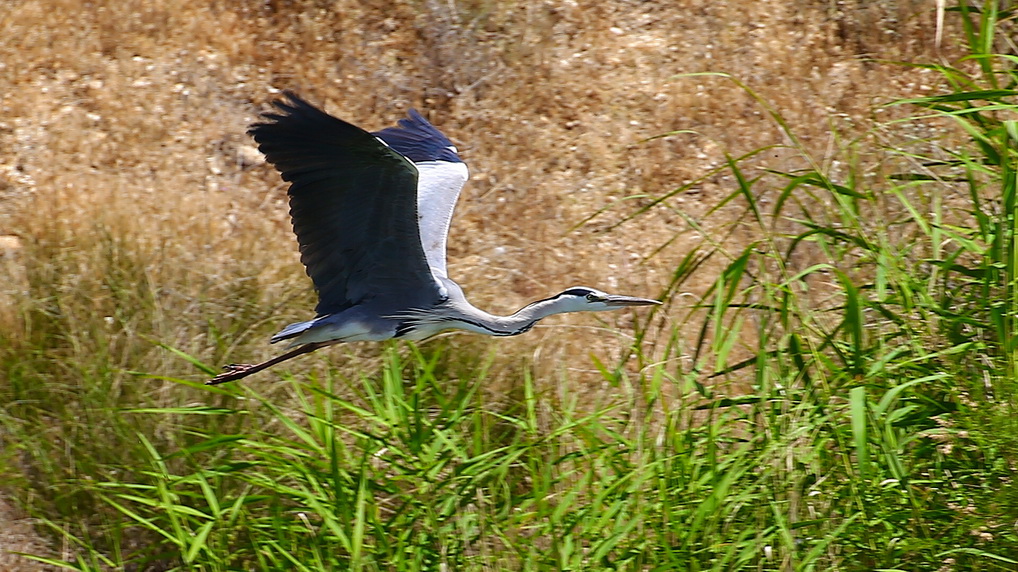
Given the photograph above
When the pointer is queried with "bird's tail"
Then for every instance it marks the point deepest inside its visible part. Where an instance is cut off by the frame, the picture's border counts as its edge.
(292, 331)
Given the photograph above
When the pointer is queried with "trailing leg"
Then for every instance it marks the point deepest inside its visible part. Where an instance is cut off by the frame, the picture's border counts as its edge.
(236, 371)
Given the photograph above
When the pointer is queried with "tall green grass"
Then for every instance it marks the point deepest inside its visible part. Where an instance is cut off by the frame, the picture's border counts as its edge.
(419, 472)
(867, 332)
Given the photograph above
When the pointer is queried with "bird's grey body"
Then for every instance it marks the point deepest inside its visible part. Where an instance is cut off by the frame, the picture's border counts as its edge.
(371, 212)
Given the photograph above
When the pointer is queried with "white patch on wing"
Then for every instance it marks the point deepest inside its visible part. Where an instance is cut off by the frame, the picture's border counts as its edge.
(438, 188)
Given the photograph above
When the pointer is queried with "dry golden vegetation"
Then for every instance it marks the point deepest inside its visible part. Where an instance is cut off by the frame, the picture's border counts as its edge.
(127, 182)
(124, 122)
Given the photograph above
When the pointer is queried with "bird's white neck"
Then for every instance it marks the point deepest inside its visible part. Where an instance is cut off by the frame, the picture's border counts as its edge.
(518, 322)
(469, 318)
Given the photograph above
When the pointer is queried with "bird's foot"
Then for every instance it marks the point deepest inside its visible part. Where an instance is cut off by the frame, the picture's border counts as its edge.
(231, 372)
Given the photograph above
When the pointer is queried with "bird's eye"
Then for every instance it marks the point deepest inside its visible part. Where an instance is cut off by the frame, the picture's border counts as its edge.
(591, 297)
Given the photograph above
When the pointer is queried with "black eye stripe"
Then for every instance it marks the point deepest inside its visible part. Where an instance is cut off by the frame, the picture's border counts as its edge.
(581, 292)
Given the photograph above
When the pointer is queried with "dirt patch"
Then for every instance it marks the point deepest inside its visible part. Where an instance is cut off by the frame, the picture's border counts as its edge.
(18, 535)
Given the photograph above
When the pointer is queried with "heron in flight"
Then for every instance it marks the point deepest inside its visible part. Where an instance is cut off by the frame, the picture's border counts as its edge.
(371, 213)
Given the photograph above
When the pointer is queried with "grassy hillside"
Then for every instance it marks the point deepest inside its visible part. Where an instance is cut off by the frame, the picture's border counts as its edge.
(124, 136)
(830, 382)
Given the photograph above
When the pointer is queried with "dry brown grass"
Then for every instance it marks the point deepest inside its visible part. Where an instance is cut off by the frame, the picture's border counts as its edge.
(122, 134)
(131, 117)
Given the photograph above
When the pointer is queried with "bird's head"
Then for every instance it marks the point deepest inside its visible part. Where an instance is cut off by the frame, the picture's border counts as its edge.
(584, 299)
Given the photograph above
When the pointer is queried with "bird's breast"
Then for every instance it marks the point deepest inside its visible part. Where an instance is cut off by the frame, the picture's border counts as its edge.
(344, 331)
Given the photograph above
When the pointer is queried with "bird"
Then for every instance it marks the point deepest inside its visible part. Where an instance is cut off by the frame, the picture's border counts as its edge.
(371, 212)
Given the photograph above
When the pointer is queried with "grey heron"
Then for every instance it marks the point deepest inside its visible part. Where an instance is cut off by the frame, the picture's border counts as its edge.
(371, 212)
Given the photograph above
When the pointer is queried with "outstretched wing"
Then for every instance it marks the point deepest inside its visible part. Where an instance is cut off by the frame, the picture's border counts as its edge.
(353, 201)
(441, 177)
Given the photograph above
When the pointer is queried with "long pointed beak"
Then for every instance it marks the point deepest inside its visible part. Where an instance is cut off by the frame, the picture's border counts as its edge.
(623, 301)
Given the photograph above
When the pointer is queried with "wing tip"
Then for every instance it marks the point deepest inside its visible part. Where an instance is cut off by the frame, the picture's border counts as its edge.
(289, 106)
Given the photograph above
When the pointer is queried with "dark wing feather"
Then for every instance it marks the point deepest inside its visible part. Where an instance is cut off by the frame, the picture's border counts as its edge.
(419, 140)
(353, 202)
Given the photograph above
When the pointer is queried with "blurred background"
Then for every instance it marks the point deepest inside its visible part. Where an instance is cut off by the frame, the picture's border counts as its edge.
(136, 207)
(142, 235)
